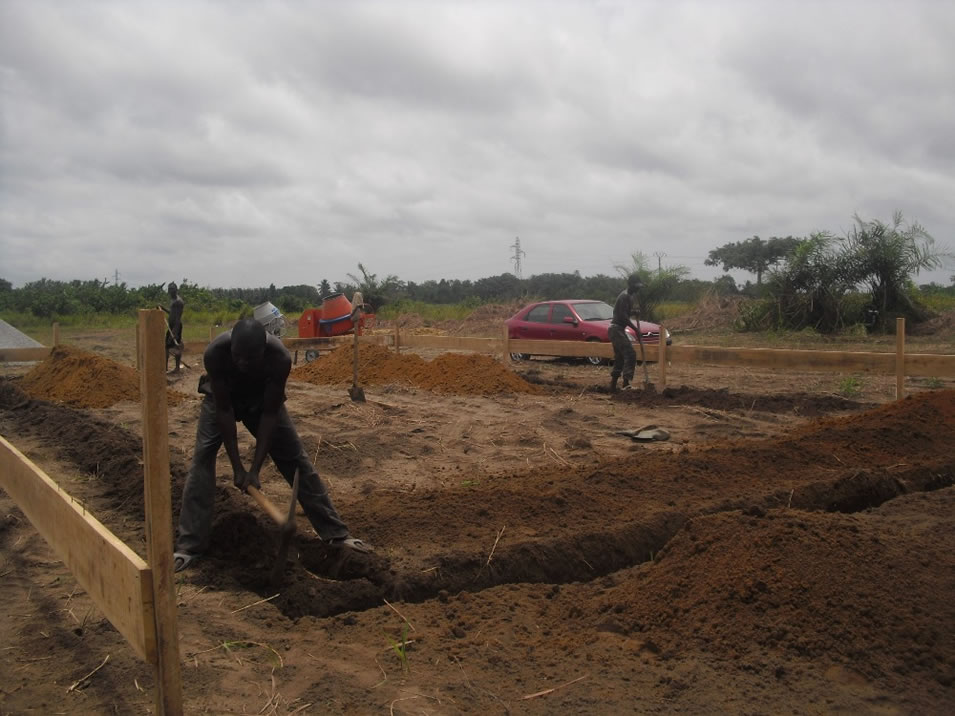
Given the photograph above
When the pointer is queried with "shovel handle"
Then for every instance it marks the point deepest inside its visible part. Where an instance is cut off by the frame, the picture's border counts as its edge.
(266, 504)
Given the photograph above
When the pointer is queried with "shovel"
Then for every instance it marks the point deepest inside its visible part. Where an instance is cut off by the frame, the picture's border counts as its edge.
(355, 392)
(285, 521)
(643, 361)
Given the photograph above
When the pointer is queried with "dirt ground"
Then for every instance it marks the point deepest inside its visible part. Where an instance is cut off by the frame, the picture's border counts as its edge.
(786, 550)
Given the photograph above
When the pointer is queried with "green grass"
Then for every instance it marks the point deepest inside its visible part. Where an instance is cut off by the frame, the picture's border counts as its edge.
(195, 325)
(850, 387)
(400, 649)
(673, 309)
(939, 302)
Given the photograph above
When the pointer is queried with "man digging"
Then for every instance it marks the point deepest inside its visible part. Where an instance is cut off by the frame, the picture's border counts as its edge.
(624, 357)
(174, 326)
(246, 372)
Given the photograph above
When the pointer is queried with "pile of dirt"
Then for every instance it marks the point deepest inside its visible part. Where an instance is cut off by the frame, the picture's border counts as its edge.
(943, 323)
(85, 380)
(711, 313)
(759, 586)
(467, 374)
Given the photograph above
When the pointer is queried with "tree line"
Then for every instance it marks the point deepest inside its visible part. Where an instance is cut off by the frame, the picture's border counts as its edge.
(822, 281)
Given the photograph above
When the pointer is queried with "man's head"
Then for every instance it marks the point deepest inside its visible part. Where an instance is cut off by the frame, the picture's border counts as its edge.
(248, 345)
(173, 289)
(634, 283)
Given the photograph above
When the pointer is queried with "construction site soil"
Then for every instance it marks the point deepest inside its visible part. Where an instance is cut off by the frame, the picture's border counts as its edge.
(784, 551)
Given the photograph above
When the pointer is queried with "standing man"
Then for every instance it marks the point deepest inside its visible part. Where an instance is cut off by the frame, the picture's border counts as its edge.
(624, 357)
(246, 372)
(174, 326)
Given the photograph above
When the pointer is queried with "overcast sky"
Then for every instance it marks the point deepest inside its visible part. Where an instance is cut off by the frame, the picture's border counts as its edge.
(247, 143)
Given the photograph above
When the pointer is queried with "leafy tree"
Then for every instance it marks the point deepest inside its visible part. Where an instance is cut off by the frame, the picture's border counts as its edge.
(374, 292)
(753, 255)
(324, 288)
(658, 284)
(884, 257)
(812, 289)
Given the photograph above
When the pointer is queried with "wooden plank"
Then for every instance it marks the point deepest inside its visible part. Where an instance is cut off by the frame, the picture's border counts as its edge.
(331, 342)
(453, 343)
(114, 577)
(930, 365)
(807, 360)
(662, 363)
(152, 385)
(899, 358)
(15, 355)
(579, 349)
(196, 348)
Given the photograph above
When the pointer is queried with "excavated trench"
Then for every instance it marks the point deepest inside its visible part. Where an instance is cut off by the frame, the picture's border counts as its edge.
(321, 581)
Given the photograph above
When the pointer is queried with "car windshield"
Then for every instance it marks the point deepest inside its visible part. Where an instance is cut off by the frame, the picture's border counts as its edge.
(594, 311)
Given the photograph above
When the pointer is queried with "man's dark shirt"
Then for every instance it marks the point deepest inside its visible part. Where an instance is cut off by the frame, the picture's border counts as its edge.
(256, 392)
(622, 310)
(175, 317)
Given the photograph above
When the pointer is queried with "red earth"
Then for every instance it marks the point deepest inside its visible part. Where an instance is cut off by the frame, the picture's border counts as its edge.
(784, 551)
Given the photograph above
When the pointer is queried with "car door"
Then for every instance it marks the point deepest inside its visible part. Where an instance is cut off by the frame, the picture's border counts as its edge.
(535, 324)
(559, 329)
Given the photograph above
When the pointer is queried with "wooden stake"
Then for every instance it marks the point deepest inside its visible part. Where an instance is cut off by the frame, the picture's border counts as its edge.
(662, 357)
(899, 358)
(505, 344)
(152, 382)
(56, 334)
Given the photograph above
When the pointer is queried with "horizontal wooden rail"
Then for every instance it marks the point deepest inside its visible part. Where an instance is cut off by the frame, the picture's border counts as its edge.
(886, 363)
(117, 579)
(452, 343)
(16, 355)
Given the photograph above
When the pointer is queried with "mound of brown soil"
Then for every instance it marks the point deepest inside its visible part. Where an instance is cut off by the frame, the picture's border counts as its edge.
(943, 323)
(755, 586)
(84, 380)
(468, 374)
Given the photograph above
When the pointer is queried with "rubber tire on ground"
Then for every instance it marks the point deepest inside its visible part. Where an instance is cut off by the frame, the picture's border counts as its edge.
(594, 360)
(310, 355)
(518, 357)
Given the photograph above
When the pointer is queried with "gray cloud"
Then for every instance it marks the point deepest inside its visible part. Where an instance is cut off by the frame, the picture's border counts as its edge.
(241, 144)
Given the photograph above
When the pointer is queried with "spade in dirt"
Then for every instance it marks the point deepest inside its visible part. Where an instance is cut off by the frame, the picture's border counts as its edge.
(355, 392)
(646, 434)
(286, 523)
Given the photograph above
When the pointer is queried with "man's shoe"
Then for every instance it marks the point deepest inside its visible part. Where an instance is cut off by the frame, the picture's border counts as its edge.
(352, 543)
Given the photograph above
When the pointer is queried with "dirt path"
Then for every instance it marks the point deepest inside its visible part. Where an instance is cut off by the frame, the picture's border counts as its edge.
(787, 550)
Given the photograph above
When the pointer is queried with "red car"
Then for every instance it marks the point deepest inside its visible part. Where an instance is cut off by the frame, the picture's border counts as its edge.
(572, 321)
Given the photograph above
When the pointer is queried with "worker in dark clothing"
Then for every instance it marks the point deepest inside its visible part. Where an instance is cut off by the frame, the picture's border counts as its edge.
(174, 326)
(246, 372)
(624, 357)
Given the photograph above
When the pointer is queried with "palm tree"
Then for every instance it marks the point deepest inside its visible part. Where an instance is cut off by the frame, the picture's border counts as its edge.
(658, 283)
(884, 256)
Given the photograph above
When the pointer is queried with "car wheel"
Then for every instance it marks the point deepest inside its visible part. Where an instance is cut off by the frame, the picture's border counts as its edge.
(311, 355)
(518, 357)
(595, 360)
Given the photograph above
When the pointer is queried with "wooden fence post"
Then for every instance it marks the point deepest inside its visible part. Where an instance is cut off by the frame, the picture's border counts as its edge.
(505, 344)
(152, 384)
(662, 356)
(56, 334)
(397, 337)
(899, 358)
